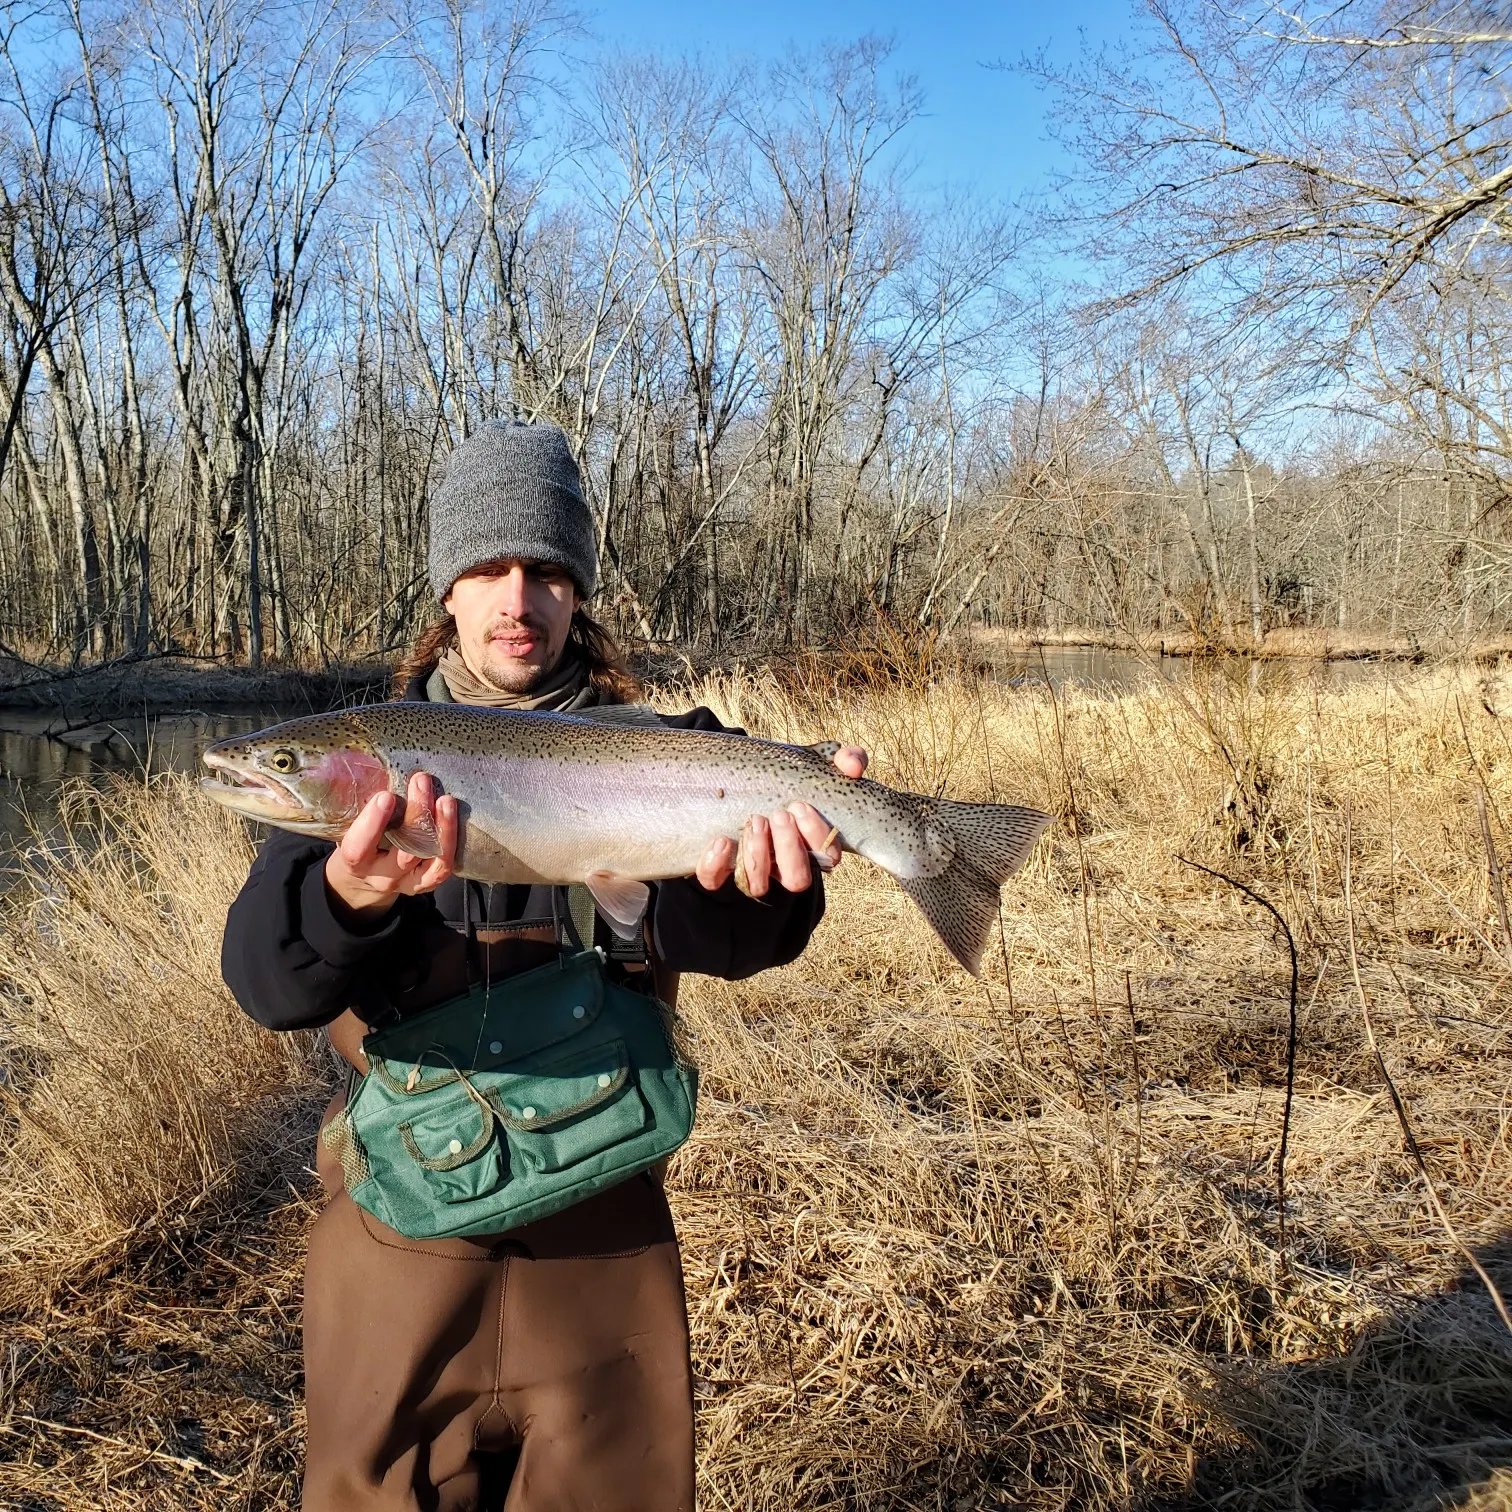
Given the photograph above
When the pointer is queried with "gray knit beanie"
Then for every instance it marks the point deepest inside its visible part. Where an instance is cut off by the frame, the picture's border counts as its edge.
(511, 490)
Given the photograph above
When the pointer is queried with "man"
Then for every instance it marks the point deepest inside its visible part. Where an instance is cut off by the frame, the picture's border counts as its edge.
(547, 1368)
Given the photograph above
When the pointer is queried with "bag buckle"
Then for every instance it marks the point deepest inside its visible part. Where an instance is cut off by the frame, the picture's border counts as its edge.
(628, 955)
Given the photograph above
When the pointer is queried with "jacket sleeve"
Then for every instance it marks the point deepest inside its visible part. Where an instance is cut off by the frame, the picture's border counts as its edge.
(287, 958)
(724, 933)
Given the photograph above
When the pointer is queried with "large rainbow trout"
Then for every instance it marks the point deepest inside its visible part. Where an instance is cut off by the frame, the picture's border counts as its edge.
(613, 799)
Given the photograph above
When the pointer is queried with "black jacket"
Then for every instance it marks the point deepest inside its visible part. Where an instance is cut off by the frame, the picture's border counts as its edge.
(292, 964)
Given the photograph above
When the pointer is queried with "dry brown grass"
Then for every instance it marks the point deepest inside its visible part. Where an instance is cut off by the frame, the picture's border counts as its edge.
(949, 1244)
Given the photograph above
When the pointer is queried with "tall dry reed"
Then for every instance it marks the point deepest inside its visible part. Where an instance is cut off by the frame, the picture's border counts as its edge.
(949, 1244)
(133, 1090)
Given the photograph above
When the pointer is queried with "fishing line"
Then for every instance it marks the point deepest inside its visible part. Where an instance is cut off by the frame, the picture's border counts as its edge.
(473, 944)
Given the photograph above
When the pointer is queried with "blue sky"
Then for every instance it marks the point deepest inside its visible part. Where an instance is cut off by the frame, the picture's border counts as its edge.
(982, 128)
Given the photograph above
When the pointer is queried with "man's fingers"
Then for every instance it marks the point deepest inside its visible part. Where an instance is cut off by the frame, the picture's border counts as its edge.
(852, 760)
(756, 853)
(818, 833)
(718, 864)
(448, 824)
(420, 791)
(790, 853)
(359, 846)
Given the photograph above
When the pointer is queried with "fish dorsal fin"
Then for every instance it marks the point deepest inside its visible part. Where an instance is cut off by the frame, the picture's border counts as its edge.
(638, 714)
(621, 900)
(825, 748)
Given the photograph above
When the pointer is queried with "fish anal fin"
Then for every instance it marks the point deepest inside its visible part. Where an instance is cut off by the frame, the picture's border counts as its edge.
(621, 900)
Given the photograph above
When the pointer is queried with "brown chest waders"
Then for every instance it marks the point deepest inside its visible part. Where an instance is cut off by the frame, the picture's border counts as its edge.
(543, 1369)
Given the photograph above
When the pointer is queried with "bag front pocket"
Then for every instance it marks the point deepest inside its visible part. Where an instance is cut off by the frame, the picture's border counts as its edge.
(456, 1144)
(570, 1108)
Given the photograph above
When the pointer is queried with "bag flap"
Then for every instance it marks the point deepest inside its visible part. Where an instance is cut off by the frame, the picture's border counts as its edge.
(443, 1139)
(490, 1026)
(566, 1088)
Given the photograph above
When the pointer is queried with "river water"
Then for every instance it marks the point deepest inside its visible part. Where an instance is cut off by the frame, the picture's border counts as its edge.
(1098, 667)
(36, 766)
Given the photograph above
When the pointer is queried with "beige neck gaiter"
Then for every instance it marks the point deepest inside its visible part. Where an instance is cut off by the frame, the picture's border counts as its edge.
(565, 688)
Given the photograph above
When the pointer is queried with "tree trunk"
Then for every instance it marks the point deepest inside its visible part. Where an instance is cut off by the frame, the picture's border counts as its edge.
(1257, 621)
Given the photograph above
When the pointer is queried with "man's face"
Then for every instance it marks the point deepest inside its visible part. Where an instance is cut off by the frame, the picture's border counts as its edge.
(512, 620)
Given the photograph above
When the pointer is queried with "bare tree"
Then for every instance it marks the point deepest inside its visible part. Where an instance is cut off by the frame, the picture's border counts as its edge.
(269, 124)
(260, 270)
(830, 235)
(53, 240)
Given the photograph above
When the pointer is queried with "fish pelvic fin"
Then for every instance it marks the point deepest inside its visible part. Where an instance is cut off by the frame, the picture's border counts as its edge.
(990, 842)
(621, 900)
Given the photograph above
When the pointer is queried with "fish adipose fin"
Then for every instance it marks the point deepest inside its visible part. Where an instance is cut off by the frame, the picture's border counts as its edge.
(621, 900)
(991, 841)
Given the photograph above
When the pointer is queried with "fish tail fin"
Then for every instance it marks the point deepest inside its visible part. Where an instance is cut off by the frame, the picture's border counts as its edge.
(990, 842)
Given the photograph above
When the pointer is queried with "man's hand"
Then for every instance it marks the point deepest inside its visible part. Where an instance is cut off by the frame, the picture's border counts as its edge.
(781, 841)
(367, 880)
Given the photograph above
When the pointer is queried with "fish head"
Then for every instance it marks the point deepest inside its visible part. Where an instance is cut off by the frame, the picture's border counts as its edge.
(310, 775)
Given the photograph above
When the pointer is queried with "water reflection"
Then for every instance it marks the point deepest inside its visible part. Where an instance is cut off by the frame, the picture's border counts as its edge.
(1098, 667)
(36, 764)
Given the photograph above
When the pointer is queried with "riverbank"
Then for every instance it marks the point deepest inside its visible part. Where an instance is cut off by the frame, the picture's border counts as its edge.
(948, 1244)
(73, 698)
(70, 699)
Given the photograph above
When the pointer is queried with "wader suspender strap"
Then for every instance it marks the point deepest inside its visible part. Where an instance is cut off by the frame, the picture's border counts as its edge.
(573, 919)
(580, 915)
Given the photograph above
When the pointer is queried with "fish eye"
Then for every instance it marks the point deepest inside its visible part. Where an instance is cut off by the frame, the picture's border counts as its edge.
(283, 760)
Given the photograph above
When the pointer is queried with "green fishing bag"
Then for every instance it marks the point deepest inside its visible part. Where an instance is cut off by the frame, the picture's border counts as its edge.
(513, 1101)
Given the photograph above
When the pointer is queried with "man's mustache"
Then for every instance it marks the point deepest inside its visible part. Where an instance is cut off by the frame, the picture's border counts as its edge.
(514, 627)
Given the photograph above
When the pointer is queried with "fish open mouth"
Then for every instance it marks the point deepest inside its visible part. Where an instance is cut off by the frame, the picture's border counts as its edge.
(231, 783)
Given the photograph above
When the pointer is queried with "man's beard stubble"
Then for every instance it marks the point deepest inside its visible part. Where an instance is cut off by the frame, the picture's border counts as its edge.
(508, 673)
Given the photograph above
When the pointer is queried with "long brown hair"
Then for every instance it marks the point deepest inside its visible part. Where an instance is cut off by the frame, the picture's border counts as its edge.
(608, 669)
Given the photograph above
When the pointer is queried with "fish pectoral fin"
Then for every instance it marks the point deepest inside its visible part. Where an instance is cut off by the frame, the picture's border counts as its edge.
(621, 900)
(414, 830)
